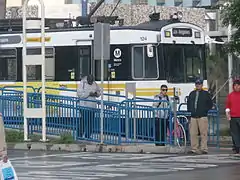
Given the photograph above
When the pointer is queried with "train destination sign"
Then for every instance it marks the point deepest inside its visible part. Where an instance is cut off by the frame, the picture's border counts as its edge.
(182, 32)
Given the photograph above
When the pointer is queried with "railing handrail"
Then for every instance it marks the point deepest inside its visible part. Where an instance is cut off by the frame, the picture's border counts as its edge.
(120, 104)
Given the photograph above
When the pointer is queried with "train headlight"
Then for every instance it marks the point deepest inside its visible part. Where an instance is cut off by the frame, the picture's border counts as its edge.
(167, 34)
(197, 35)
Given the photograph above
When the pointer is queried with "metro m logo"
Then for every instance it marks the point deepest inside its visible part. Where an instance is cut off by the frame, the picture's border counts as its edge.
(117, 53)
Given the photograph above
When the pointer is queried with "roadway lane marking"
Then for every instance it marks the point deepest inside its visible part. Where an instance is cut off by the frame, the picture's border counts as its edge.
(212, 158)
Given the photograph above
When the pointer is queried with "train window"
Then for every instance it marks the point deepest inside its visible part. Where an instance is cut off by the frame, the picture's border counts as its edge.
(34, 72)
(138, 60)
(173, 56)
(8, 61)
(143, 65)
(193, 67)
(193, 63)
(84, 61)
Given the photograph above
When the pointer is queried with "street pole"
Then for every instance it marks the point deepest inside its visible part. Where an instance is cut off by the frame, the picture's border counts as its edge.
(230, 59)
(102, 80)
(101, 53)
(84, 8)
(175, 116)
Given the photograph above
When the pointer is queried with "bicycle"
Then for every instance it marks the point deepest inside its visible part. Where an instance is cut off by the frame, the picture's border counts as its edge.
(180, 132)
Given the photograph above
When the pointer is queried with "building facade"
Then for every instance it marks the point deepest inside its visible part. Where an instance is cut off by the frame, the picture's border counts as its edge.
(181, 3)
(53, 8)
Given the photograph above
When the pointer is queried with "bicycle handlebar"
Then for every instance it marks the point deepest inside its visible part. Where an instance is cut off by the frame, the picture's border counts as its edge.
(181, 116)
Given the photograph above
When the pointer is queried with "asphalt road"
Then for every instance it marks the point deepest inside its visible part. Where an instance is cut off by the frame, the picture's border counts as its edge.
(119, 166)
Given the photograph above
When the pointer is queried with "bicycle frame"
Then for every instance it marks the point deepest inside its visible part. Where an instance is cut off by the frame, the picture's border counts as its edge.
(178, 123)
(178, 127)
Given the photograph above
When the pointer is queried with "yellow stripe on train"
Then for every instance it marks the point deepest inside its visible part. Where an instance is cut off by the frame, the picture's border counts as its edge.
(111, 88)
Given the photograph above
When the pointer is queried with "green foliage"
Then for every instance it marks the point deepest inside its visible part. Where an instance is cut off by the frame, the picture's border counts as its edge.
(231, 14)
(13, 136)
(65, 139)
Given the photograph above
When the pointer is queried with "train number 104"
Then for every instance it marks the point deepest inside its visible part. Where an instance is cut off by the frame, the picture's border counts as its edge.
(143, 38)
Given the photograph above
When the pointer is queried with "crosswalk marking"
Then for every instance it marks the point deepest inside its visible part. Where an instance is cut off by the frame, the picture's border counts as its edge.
(49, 164)
(96, 166)
(113, 156)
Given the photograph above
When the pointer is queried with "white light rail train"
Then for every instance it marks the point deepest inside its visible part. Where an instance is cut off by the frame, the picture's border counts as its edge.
(150, 54)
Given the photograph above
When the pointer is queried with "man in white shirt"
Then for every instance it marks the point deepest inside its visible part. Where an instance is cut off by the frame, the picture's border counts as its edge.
(161, 116)
(88, 91)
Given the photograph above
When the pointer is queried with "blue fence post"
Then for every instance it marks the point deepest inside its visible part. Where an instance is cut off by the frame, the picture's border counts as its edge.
(217, 133)
(171, 129)
(2, 105)
(119, 125)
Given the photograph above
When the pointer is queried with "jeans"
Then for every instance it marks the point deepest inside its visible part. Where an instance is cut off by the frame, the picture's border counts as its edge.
(234, 145)
(161, 126)
(86, 123)
(235, 132)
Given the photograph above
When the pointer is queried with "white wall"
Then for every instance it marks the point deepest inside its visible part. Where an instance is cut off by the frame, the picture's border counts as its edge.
(11, 3)
(53, 8)
(47, 2)
(34, 2)
(63, 11)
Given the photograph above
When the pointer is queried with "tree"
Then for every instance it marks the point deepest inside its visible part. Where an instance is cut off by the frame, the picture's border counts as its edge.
(231, 14)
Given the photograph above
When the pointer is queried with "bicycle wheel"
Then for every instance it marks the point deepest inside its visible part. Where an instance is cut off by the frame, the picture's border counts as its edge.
(181, 136)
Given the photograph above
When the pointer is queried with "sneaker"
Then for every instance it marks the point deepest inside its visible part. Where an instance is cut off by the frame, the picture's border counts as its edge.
(234, 151)
(204, 152)
(159, 144)
(192, 152)
(237, 155)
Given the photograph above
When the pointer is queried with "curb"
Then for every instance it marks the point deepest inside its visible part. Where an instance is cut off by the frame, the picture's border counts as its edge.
(94, 148)
(103, 148)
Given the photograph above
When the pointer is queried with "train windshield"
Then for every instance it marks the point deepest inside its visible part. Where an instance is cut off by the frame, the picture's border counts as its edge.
(184, 63)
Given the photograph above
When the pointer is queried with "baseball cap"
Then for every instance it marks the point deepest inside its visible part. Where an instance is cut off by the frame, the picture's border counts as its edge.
(236, 81)
(199, 81)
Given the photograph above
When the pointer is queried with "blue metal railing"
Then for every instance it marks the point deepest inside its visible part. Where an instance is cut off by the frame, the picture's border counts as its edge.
(127, 121)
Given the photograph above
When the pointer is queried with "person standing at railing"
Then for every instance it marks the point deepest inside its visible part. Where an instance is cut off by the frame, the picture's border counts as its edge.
(233, 114)
(3, 145)
(161, 115)
(199, 103)
(87, 91)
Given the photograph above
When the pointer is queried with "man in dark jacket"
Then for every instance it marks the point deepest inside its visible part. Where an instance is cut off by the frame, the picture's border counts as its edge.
(199, 103)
